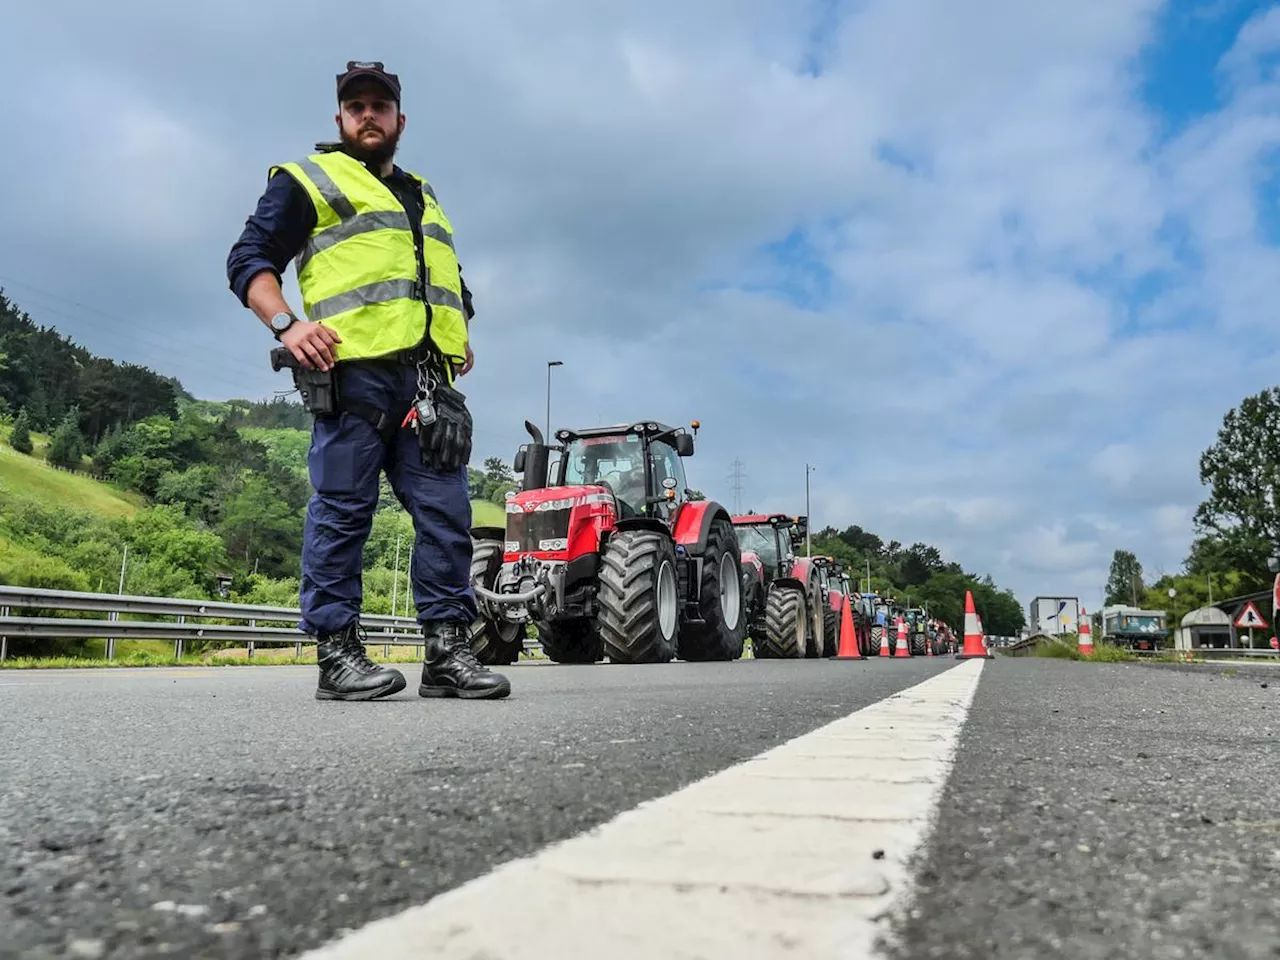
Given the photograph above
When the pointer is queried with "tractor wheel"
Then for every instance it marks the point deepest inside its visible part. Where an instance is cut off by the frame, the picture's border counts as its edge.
(877, 638)
(916, 645)
(830, 632)
(785, 617)
(493, 642)
(570, 641)
(639, 601)
(815, 643)
(721, 635)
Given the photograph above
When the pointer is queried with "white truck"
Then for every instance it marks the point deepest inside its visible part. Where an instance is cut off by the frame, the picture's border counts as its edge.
(1054, 615)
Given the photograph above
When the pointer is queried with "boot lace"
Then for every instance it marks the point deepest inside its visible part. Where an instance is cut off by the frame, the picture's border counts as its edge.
(354, 649)
(458, 643)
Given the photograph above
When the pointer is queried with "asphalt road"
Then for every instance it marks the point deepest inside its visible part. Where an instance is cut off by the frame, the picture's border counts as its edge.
(1107, 810)
(1094, 810)
(225, 813)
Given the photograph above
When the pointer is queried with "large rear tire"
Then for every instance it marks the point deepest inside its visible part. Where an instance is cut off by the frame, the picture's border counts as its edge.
(785, 616)
(638, 613)
(918, 642)
(830, 632)
(816, 642)
(724, 628)
(494, 642)
(877, 638)
(570, 641)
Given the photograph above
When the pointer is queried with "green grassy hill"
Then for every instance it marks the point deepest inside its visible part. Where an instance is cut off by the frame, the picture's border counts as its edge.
(289, 448)
(31, 476)
(486, 514)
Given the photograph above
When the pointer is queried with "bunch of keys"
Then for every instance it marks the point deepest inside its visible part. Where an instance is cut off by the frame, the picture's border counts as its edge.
(423, 412)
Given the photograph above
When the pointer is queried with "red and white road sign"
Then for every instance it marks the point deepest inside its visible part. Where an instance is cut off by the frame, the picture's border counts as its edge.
(1250, 618)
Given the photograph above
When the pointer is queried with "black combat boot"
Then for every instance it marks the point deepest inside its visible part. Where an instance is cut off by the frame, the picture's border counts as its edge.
(450, 669)
(346, 673)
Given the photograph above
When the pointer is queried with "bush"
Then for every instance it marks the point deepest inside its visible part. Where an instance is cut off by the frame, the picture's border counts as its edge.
(20, 438)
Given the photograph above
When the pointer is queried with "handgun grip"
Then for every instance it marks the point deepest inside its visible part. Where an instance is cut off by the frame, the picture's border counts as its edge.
(283, 357)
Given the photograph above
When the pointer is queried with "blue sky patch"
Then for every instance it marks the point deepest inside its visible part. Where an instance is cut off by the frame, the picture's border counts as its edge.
(1179, 68)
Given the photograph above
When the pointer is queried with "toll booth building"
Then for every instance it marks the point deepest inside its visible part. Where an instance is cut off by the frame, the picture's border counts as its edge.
(1205, 629)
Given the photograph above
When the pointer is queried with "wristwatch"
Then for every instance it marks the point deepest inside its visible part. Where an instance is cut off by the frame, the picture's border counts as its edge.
(281, 322)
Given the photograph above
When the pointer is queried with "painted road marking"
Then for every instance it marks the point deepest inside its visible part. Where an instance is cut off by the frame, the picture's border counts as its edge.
(801, 851)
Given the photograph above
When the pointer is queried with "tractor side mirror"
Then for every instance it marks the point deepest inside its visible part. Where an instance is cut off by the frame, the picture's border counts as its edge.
(536, 458)
(518, 462)
(1273, 564)
(684, 445)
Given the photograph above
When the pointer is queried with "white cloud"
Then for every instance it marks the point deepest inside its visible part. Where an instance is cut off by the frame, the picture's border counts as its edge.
(983, 185)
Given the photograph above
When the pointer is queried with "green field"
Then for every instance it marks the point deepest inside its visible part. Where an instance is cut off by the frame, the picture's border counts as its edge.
(23, 475)
(486, 514)
(31, 476)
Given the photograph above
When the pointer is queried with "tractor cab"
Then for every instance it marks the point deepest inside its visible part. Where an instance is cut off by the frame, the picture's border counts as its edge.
(769, 538)
(639, 464)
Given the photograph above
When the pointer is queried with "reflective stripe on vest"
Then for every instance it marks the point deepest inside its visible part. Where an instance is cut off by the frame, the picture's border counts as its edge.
(383, 291)
(358, 270)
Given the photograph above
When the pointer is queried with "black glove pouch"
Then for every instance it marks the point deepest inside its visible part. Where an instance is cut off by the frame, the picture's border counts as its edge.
(446, 443)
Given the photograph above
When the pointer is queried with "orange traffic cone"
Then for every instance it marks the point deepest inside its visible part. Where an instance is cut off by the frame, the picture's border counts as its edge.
(884, 640)
(902, 650)
(928, 644)
(1086, 634)
(973, 642)
(848, 636)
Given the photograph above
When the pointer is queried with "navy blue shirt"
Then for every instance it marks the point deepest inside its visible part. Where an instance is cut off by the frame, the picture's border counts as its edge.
(284, 219)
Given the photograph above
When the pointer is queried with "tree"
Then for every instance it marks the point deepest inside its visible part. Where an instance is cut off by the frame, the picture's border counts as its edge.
(66, 446)
(696, 495)
(1124, 582)
(1242, 471)
(20, 438)
(496, 469)
(920, 563)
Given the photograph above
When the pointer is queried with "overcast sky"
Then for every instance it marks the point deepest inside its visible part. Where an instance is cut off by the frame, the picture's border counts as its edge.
(996, 268)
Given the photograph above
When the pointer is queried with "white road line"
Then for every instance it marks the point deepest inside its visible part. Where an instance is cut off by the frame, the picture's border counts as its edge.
(802, 851)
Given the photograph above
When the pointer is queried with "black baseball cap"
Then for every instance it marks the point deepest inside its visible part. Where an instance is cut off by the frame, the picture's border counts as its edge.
(374, 70)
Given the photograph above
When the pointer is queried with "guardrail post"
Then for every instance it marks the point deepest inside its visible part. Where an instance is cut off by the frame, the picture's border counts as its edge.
(177, 644)
(4, 641)
(297, 650)
(111, 641)
(253, 624)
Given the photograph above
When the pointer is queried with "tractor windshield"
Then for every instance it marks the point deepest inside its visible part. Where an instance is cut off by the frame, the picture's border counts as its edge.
(761, 540)
(613, 462)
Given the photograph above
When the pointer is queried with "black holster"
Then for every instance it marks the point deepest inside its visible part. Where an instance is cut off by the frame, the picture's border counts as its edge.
(319, 388)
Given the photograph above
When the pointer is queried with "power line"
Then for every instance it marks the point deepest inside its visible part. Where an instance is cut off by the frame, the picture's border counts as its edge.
(736, 479)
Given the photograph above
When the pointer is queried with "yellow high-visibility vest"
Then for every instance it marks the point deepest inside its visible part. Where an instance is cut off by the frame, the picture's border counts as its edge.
(358, 273)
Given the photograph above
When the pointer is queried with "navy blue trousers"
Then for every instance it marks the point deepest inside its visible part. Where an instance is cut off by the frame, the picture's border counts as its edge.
(346, 459)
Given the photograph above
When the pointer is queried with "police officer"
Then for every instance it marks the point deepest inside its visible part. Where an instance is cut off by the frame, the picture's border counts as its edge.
(386, 332)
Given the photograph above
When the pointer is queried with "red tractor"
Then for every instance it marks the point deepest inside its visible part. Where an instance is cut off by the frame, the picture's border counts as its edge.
(612, 558)
(783, 596)
(840, 592)
(829, 588)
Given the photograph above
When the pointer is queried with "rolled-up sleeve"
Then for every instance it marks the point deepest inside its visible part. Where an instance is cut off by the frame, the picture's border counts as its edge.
(272, 236)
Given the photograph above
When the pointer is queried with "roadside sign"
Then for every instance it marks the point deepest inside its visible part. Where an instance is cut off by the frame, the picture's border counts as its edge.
(1250, 618)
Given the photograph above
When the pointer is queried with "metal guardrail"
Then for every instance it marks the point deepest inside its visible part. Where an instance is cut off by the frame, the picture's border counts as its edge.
(380, 628)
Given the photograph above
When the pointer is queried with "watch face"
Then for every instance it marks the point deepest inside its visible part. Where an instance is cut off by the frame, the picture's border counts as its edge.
(280, 322)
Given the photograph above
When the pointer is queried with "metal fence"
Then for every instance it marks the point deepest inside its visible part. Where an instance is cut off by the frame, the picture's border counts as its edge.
(172, 619)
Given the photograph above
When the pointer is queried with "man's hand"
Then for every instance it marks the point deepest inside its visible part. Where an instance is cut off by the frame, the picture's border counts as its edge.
(471, 362)
(311, 344)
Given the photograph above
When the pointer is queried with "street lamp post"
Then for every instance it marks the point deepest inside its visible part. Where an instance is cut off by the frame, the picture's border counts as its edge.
(550, 364)
(808, 541)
